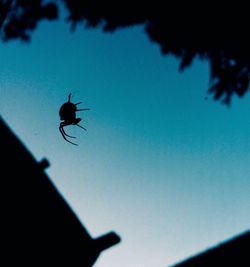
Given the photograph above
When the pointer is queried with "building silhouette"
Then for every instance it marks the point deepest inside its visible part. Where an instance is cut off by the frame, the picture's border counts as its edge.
(38, 227)
(234, 252)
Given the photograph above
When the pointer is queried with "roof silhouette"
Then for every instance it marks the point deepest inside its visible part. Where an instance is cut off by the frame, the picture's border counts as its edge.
(38, 226)
(233, 252)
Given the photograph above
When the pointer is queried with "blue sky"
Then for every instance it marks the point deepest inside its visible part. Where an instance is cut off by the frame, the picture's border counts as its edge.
(159, 164)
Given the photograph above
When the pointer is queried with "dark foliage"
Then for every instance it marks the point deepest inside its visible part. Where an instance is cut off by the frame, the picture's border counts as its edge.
(18, 18)
(213, 32)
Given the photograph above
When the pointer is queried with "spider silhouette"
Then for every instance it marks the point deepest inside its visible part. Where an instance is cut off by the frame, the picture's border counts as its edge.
(67, 114)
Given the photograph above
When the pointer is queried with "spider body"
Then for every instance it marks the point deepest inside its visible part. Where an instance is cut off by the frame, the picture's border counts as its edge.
(67, 114)
(67, 111)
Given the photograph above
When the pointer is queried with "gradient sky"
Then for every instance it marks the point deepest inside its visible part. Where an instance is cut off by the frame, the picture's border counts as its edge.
(159, 164)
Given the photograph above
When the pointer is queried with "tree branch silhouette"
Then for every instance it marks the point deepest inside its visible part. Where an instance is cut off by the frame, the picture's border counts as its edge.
(212, 32)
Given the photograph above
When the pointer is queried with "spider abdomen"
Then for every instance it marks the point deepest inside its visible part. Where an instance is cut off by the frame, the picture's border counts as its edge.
(67, 112)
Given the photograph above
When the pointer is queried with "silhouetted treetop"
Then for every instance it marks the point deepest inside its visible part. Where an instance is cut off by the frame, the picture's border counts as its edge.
(216, 33)
(19, 17)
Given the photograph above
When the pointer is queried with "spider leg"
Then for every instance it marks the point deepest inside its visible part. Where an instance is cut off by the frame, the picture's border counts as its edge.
(66, 133)
(63, 135)
(69, 97)
(83, 109)
(81, 126)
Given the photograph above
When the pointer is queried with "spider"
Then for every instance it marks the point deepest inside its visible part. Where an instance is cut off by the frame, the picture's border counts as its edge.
(67, 114)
